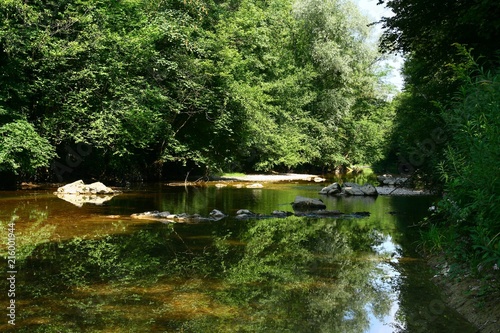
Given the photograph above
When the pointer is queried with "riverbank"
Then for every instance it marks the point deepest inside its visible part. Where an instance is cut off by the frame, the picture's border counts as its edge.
(270, 178)
(475, 299)
(256, 178)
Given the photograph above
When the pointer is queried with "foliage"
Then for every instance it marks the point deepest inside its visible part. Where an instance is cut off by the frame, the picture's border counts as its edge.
(468, 168)
(427, 34)
(22, 149)
(446, 123)
(151, 86)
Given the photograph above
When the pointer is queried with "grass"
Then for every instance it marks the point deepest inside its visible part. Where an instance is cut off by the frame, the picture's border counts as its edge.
(233, 174)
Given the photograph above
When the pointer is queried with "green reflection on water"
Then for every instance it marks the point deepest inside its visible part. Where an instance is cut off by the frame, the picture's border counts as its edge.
(271, 275)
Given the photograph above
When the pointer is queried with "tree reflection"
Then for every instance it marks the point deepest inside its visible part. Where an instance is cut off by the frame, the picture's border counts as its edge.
(301, 276)
(282, 275)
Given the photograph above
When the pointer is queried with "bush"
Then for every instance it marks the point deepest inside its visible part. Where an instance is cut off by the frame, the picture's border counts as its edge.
(22, 149)
(470, 167)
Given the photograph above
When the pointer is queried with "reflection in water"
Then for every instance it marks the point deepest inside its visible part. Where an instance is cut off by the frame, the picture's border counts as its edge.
(80, 271)
(80, 199)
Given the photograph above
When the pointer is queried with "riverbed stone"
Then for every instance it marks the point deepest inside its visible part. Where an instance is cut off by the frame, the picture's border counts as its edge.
(369, 189)
(244, 211)
(331, 189)
(391, 180)
(217, 214)
(304, 203)
(168, 217)
(255, 185)
(79, 187)
(352, 189)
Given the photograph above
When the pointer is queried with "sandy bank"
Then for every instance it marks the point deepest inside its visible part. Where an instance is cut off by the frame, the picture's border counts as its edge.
(273, 178)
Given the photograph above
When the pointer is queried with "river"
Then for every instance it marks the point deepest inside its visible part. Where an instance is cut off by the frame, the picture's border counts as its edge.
(95, 269)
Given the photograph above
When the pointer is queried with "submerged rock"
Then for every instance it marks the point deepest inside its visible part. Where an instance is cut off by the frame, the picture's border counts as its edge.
(281, 213)
(320, 213)
(177, 218)
(242, 214)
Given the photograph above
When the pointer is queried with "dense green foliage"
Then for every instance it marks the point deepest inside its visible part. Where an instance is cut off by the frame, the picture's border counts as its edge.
(153, 86)
(447, 119)
(469, 169)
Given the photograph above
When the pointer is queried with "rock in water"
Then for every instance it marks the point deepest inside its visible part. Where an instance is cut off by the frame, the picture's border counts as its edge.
(79, 187)
(217, 214)
(331, 189)
(303, 203)
(369, 189)
(79, 193)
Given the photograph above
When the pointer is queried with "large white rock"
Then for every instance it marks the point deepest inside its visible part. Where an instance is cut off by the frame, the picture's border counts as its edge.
(79, 187)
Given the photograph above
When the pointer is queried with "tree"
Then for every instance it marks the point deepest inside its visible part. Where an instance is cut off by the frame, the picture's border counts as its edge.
(22, 149)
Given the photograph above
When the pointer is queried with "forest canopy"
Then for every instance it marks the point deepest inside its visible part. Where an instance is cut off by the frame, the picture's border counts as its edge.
(155, 88)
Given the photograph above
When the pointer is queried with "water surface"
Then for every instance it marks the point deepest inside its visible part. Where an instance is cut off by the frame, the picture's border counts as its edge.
(95, 269)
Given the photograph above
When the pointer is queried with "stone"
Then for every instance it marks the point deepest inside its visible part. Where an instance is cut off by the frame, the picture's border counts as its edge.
(256, 185)
(331, 189)
(217, 214)
(244, 211)
(352, 189)
(303, 203)
(391, 180)
(369, 189)
(79, 193)
(281, 213)
(349, 188)
(167, 217)
(79, 187)
(245, 216)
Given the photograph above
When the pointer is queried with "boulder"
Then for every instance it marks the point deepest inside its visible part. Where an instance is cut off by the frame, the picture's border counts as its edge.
(331, 189)
(303, 203)
(349, 188)
(369, 189)
(244, 211)
(391, 180)
(352, 189)
(217, 215)
(79, 187)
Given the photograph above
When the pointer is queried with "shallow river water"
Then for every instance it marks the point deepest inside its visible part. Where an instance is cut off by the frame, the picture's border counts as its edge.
(95, 269)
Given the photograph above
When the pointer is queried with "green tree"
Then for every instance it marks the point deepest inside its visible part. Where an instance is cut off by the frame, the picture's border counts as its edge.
(22, 149)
